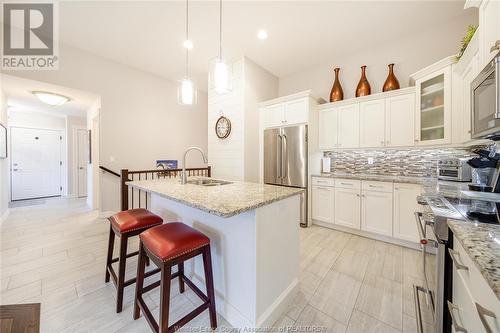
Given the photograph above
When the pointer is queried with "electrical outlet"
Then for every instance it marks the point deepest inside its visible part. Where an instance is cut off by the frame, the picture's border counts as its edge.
(370, 160)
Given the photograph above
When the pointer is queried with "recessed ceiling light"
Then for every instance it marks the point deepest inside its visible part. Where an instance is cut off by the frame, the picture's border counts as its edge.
(187, 44)
(51, 98)
(262, 34)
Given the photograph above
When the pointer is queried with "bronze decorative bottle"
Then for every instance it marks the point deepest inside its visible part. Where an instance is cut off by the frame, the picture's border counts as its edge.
(391, 83)
(363, 88)
(336, 94)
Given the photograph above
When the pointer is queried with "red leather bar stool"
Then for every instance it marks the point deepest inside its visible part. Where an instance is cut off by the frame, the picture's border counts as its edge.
(168, 245)
(126, 224)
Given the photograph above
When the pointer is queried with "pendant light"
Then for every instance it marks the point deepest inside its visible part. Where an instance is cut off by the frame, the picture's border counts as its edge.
(220, 71)
(186, 92)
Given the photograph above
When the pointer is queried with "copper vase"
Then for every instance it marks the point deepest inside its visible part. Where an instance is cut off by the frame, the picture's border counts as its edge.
(391, 83)
(363, 88)
(336, 94)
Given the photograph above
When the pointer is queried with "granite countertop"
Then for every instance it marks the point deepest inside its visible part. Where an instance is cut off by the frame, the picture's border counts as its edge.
(224, 200)
(482, 242)
(381, 178)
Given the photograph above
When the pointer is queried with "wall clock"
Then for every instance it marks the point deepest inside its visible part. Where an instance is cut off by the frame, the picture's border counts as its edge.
(223, 127)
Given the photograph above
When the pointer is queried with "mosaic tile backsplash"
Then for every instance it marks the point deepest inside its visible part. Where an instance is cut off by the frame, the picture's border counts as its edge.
(406, 162)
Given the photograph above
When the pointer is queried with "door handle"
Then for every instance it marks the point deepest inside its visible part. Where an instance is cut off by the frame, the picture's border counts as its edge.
(81, 168)
(279, 160)
(14, 169)
(284, 157)
(482, 312)
(457, 327)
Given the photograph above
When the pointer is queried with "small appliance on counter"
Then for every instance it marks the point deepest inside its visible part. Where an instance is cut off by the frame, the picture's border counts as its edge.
(485, 170)
(454, 169)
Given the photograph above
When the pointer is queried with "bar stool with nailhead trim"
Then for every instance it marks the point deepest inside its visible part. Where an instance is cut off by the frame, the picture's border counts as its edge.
(168, 245)
(126, 224)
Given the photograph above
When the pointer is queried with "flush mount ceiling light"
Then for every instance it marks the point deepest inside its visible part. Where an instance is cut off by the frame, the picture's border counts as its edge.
(186, 91)
(219, 72)
(51, 98)
(262, 34)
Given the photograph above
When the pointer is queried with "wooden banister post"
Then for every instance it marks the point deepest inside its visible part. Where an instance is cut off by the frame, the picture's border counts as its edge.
(209, 171)
(124, 189)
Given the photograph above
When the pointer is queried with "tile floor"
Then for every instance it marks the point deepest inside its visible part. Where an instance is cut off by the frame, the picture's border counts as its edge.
(54, 253)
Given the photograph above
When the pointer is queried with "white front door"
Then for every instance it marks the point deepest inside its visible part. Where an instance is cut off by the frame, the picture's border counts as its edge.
(83, 158)
(36, 163)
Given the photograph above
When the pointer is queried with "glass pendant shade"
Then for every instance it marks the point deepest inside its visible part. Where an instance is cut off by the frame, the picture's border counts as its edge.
(220, 77)
(186, 92)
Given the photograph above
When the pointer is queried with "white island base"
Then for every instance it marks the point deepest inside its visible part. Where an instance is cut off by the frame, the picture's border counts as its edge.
(255, 257)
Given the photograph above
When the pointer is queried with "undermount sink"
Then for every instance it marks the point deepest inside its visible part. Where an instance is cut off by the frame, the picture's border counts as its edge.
(208, 182)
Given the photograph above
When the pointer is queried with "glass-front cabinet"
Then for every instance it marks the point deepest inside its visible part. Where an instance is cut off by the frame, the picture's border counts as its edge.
(433, 111)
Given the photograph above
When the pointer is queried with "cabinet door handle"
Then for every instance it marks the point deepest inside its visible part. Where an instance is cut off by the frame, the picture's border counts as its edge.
(454, 254)
(382, 142)
(482, 312)
(457, 327)
(322, 188)
(496, 46)
(376, 186)
(346, 183)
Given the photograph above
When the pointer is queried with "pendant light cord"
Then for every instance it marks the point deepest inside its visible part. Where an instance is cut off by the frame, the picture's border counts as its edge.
(220, 29)
(187, 38)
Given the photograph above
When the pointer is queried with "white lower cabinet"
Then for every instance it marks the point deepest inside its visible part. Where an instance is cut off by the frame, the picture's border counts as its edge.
(475, 307)
(380, 208)
(347, 207)
(376, 212)
(323, 203)
(405, 204)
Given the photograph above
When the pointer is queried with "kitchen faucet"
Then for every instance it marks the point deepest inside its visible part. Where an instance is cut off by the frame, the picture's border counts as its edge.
(183, 175)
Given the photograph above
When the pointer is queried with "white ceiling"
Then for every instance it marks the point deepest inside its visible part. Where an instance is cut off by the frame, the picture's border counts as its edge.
(148, 35)
(20, 97)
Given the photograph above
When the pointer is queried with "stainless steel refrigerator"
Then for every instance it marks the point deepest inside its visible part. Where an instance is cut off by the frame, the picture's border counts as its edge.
(285, 160)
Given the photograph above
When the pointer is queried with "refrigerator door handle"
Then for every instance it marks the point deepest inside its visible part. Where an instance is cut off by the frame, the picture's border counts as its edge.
(279, 162)
(284, 157)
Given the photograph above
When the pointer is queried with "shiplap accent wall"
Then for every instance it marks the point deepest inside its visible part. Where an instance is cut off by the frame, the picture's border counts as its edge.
(237, 157)
(226, 156)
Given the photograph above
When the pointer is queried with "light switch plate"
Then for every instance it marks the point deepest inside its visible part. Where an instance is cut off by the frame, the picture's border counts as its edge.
(370, 160)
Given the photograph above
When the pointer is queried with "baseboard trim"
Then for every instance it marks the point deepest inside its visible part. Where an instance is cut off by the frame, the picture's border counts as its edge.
(279, 306)
(367, 234)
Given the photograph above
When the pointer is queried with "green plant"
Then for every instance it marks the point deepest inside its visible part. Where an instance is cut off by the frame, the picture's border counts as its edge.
(471, 29)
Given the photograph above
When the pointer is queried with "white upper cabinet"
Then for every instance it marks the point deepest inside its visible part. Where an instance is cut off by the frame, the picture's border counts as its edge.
(296, 112)
(372, 123)
(400, 121)
(433, 107)
(287, 113)
(489, 30)
(275, 115)
(380, 120)
(328, 121)
(348, 125)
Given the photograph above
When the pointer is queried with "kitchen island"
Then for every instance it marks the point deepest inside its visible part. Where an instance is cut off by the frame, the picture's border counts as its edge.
(254, 234)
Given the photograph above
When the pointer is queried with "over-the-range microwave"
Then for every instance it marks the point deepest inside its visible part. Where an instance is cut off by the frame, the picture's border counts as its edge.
(485, 101)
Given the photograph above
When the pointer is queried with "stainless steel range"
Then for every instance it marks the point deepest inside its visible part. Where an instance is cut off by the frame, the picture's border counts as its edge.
(434, 234)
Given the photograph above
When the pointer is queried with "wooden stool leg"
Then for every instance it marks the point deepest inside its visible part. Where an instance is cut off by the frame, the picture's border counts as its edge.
(141, 267)
(121, 273)
(181, 277)
(111, 244)
(166, 273)
(209, 280)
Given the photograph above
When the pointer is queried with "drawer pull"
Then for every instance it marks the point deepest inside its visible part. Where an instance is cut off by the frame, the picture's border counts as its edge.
(482, 312)
(350, 184)
(322, 188)
(454, 254)
(376, 186)
(457, 327)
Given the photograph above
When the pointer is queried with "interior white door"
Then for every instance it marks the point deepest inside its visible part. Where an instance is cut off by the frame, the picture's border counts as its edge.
(372, 123)
(82, 161)
(36, 163)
